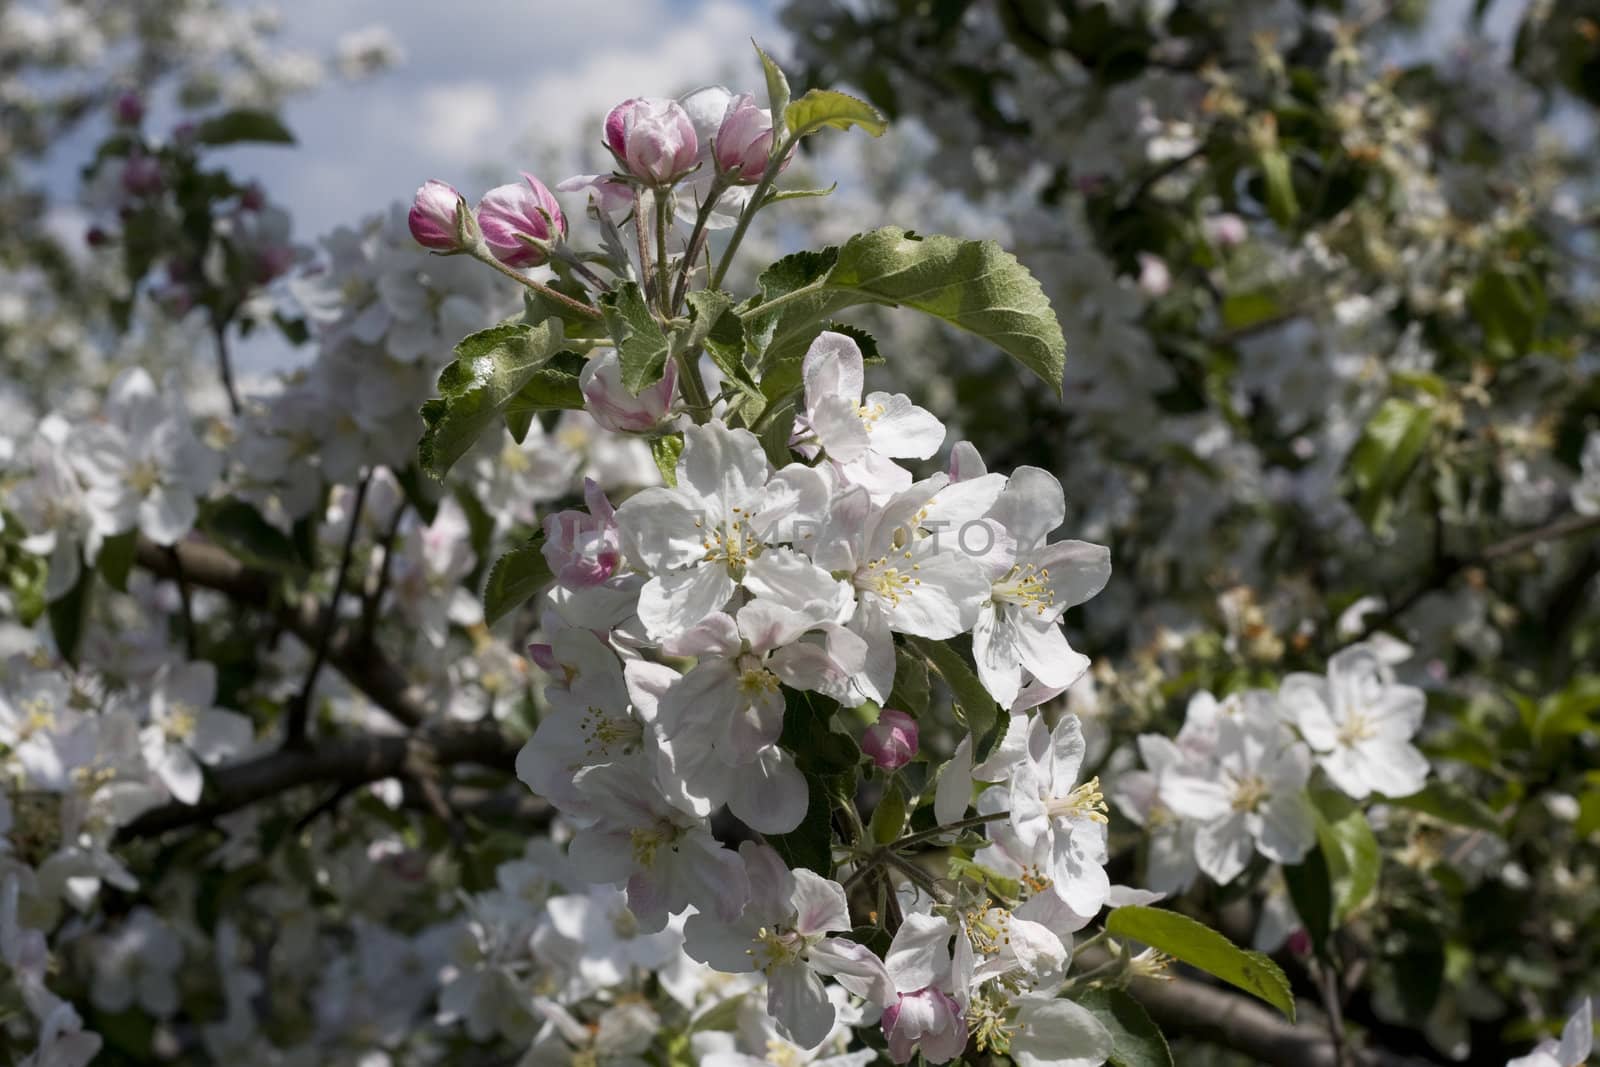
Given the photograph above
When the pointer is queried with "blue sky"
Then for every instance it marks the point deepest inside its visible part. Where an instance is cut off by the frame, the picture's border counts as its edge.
(482, 87)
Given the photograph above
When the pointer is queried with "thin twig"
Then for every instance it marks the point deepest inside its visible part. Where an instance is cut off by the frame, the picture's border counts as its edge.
(191, 637)
(697, 235)
(300, 706)
(577, 306)
(757, 197)
(369, 611)
(219, 330)
(642, 238)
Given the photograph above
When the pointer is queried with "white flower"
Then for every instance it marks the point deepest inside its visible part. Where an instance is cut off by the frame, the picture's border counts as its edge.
(783, 934)
(667, 857)
(1170, 865)
(1059, 824)
(606, 937)
(861, 438)
(142, 464)
(1360, 723)
(697, 540)
(904, 581)
(1058, 1033)
(185, 731)
(137, 963)
(619, 1038)
(1033, 584)
(1585, 491)
(51, 506)
(1577, 1042)
(1252, 799)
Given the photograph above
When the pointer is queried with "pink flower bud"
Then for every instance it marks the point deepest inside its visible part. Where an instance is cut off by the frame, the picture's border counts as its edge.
(583, 548)
(434, 219)
(1225, 231)
(613, 406)
(508, 213)
(929, 1021)
(891, 742)
(1155, 279)
(744, 141)
(141, 175)
(1300, 942)
(130, 109)
(652, 138)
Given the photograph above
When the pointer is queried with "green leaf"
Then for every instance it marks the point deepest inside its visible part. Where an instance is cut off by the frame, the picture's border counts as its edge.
(666, 451)
(241, 529)
(1136, 1041)
(810, 844)
(553, 387)
(421, 494)
(641, 344)
(1241, 311)
(974, 285)
(911, 683)
(515, 577)
(1450, 803)
(116, 557)
(777, 87)
(716, 328)
(1509, 304)
(68, 613)
(243, 125)
(1386, 453)
(1200, 946)
(889, 817)
(827, 107)
(975, 708)
(800, 194)
(1350, 850)
(775, 434)
(1311, 890)
(1277, 174)
(491, 367)
(808, 732)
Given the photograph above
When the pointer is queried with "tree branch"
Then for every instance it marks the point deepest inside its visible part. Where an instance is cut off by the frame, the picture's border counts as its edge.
(363, 664)
(345, 761)
(1182, 1006)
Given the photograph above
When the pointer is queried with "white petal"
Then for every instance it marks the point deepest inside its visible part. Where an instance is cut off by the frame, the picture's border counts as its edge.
(669, 604)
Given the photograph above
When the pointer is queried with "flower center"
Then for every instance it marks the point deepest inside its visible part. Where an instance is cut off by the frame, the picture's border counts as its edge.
(1249, 792)
(648, 839)
(515, 460)
(869, 414)
(37, 717)
(1027, 585)
(1084, 802)
(1357, 728)
(605, 734)
(755, 681)
(889, 581)
(988, 928)
(733, 545)
(990, 1022)
(624, 923)
(180, 722)
(783, 1054)
(775, 946)
(144, 477)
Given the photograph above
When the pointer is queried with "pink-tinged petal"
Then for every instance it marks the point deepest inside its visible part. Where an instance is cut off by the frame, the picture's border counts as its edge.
(833, 366)
(670, 604)
(768, 794)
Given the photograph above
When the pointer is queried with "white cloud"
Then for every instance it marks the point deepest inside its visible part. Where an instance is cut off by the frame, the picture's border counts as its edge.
(459, 120)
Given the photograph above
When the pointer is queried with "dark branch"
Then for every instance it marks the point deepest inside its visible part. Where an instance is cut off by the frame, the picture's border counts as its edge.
(362, 663)
(345, 761)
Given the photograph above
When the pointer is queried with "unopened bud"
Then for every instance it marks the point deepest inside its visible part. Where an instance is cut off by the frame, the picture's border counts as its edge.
(653, 139)
(613, 406)
(513, 217)
(891, 742)
(744, 141)
(439, 219)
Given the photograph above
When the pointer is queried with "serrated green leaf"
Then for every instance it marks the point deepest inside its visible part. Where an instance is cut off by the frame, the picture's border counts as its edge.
(116, 557)
(777, 86)
(911, 683)
(641, 343)
(1136, 1041)
(819, 108)
(243, 125)
(666, 450)
(241, 529)
(515, 578)
(716, 328)
(421, 494)
(553, 387)
(974, 285)
(1200, 946)
(975, 708)
(491, 367)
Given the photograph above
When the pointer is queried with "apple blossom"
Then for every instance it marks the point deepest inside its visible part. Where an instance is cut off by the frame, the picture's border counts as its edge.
(652, 139)
(508, 214)
(614, 407)
(439, 219)
(891, 742)
(744, 140)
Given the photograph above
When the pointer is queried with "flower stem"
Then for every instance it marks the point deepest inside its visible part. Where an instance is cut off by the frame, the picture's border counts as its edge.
(577, 306)
(697, 237)
(955, 827)
(661, 198)
(757, 195)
